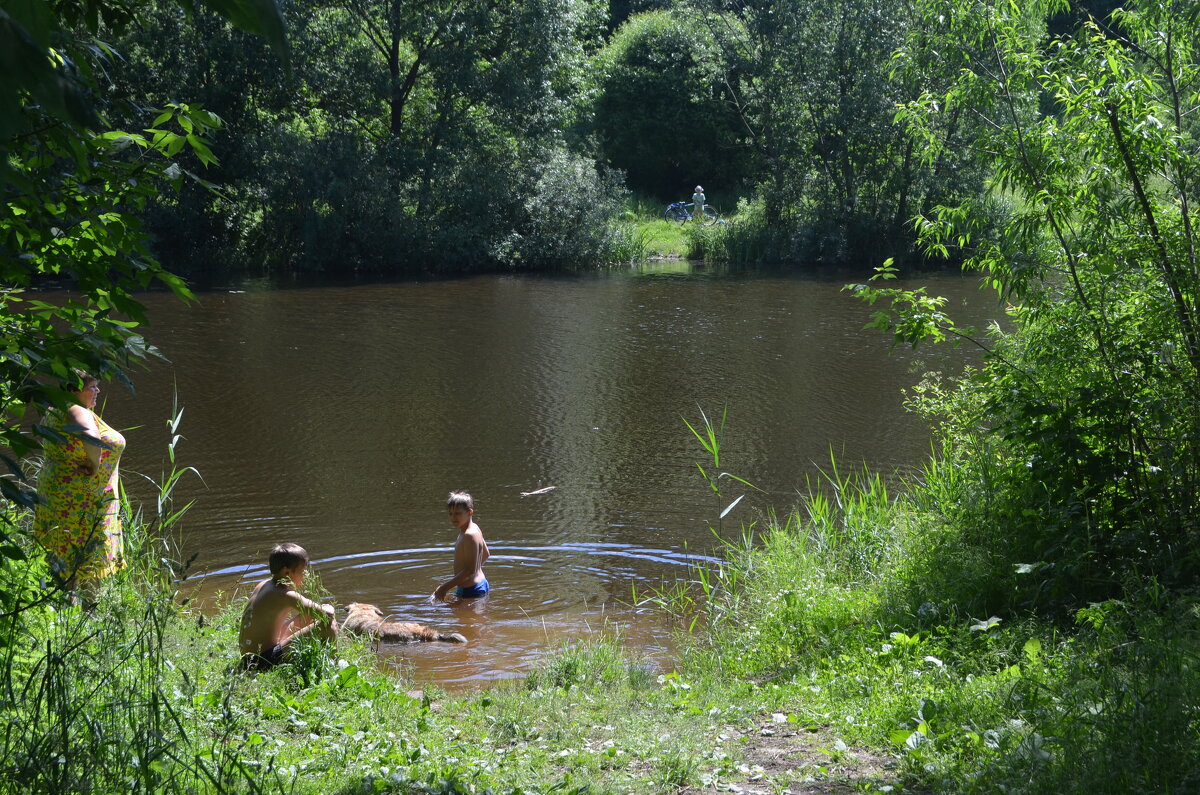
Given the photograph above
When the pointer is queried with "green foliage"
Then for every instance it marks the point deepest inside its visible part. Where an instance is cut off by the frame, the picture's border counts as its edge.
(838, 179)
(72, 187)
(44, 65)
(662, 112)
(403, 140)
(750, 239)
(832, 633)
(1076, 441)
(598, 663)
(569, 214)
(706, 241)
(89, 705)
(711, 437)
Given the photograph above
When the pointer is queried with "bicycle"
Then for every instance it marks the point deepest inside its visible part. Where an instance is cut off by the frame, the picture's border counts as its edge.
(684, 211)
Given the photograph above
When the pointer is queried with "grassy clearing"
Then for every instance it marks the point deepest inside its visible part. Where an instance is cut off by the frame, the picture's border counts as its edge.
(665, 239)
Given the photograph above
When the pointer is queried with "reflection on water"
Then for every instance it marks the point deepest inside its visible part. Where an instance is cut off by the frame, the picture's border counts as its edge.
(340, 417)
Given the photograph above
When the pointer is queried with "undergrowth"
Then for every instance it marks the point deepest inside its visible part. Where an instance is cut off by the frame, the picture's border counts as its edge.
(820, 609)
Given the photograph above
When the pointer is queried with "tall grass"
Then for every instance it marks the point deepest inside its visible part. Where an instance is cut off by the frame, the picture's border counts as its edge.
(855, 613)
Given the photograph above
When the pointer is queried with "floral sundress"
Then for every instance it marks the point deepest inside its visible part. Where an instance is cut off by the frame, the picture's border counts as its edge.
(79, 520)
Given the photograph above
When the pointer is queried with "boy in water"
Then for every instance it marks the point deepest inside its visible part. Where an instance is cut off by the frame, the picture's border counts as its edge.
(470, 552)
(277, 614)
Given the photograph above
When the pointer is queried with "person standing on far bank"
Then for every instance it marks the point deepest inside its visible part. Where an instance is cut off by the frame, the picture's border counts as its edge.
(698, 204)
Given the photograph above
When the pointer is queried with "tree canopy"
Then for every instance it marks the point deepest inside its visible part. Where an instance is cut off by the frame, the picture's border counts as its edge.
(73, 188)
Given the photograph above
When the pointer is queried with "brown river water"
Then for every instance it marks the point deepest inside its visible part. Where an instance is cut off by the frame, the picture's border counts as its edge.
(340, 417)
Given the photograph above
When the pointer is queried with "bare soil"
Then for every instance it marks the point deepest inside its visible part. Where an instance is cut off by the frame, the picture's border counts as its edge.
(777, 757)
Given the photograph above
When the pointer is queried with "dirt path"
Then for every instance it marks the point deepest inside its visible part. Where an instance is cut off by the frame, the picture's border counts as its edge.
(779, 757)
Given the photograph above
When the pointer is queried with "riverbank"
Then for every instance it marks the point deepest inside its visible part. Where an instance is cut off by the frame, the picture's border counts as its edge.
(661, 238)
(140, 690)
(805, 667)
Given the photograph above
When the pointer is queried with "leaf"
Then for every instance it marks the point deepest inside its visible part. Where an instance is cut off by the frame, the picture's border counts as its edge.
(202, 151)
(743, 481)
(254, 16)
(347, 675)
(12, 552)
(13, 467)
(986, 625)
(730, 507)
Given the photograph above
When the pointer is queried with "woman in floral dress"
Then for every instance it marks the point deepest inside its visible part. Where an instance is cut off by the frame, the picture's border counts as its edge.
(78, 521)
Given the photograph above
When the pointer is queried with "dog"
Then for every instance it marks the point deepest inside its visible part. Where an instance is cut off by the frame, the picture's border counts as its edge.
(365, 619)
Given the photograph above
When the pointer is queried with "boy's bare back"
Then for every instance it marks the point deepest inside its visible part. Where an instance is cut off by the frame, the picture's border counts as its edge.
(265, 618)
(277, 613)
(470, 552)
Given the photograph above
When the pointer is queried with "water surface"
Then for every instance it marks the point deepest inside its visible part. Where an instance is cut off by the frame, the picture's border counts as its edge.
(340, 417)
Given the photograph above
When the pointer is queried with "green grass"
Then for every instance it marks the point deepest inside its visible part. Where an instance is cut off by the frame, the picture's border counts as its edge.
(666, 239)
(662, 238)
(821, 610)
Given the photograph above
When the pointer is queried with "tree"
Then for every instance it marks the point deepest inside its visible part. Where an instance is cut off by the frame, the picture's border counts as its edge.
(71, 187)
(663, 111)
(840, 179)
(1081, 435)
(405, 139)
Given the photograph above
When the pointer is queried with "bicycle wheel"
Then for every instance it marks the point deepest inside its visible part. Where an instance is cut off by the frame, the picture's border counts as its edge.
(709, 215)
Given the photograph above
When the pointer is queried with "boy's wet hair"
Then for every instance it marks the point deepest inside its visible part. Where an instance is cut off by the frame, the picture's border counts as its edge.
(285, 556)
(460, 499)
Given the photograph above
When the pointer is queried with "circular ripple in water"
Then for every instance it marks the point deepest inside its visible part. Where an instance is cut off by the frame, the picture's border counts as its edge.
(543, 597)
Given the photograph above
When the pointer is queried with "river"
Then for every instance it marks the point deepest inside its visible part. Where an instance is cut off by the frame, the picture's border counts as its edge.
(340, 417)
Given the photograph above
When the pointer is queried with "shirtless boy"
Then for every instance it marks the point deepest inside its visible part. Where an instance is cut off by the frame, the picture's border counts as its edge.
(470, 552)
(277, 614)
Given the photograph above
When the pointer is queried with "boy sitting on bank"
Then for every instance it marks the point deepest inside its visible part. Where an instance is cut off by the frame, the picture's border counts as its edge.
(277, 614)
(470, 552)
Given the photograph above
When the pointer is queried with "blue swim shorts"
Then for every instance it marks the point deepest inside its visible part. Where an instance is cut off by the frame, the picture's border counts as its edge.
(480, 588)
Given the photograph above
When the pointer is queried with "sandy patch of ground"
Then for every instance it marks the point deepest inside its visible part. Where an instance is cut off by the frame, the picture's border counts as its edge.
(778, 757)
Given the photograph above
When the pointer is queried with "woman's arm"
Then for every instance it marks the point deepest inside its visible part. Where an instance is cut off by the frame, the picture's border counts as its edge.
(88, 433)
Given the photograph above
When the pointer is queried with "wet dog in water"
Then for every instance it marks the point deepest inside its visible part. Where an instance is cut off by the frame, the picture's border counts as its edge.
(365, 619)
